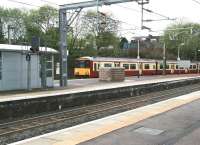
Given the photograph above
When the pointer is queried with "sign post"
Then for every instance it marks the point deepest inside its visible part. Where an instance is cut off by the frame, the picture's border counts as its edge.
(28, 59)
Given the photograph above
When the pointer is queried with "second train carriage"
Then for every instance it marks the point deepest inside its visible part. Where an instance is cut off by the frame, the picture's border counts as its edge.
(89, 66)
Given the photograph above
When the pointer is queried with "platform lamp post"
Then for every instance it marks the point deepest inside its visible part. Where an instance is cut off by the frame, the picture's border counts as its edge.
(138, 49)
(138, 57)
(178, 56)
(198, 63)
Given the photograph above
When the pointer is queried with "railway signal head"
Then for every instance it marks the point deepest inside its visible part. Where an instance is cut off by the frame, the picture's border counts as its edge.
(35, 44)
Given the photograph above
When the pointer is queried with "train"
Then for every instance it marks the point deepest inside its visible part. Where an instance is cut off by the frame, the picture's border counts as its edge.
(89, 66)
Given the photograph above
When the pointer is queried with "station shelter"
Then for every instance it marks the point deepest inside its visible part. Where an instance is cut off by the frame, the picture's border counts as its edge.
(14, 67)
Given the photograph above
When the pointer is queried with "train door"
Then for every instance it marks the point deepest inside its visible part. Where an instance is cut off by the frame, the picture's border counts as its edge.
(172, 68)
(140, 68)
(156, 67)
(117, 64)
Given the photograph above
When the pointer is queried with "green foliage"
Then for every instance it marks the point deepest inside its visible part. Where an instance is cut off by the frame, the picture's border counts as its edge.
(105, 23)
(42, 23)
(187, 40)
(15, 19)
(106, 39)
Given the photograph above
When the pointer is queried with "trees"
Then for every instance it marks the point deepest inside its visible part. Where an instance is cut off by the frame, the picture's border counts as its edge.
(25, 24)
(104, 33)
(43, 23)
(12, 20)
(183, 36)
(105, 23)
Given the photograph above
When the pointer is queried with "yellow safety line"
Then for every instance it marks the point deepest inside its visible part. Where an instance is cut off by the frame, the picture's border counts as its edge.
(90, 131)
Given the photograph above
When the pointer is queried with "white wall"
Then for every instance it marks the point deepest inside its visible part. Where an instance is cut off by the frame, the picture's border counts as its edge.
(11, 73)
(35, 71)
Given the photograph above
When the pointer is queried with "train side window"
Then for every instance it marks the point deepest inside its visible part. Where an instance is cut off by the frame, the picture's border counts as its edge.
(126, 66)
(154, 67)
(132, 66)
(98, 66)
(190, 66)
(107, 65)
(194, 66)
(146, 66)
(176, 66)
(167, 66)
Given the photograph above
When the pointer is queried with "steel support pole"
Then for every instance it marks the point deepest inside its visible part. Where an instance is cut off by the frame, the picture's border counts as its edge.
(178, 57)
(9, 39)
(164, 59)
(138, 51)
(1, 28)
(97, 17)
(29, 72)
(63, 47)
(43, 71)
(142, 14)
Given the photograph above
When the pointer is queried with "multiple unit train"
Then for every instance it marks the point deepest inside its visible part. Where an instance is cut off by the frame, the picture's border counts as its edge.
(89, 66)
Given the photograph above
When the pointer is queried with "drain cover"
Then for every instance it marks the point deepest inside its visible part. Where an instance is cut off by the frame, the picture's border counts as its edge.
(150, 131)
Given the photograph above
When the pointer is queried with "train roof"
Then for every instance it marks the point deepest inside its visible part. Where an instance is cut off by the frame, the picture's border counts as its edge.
(108, 59)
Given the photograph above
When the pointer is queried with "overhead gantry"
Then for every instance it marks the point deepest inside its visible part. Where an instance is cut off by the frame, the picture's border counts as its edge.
(64, 23)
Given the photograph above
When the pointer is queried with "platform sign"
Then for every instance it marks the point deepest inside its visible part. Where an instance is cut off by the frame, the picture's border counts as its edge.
(184, 63)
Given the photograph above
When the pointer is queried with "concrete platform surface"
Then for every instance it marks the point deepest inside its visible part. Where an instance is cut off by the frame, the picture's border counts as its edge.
(84, 85)
(174, 121)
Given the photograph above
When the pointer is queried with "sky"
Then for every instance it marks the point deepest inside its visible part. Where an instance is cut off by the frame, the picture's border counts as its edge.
(130, 13)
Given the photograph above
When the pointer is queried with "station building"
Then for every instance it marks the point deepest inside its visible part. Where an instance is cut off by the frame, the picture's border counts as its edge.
(14, 67)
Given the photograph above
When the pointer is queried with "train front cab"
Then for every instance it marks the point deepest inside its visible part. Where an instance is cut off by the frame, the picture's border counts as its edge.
(82, 68)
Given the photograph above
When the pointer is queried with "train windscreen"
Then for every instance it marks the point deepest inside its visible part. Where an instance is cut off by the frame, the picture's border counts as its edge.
(82, 64)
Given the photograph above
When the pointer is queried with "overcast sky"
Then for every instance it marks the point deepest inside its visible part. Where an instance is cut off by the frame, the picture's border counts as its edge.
(129, 13)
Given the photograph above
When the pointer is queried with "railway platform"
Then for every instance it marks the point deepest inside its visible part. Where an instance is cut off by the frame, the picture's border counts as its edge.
(85, 85)
(171, 122)
(85, 92)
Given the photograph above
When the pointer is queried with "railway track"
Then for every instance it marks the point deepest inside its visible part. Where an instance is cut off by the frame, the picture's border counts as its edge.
(20, 129)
